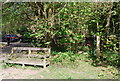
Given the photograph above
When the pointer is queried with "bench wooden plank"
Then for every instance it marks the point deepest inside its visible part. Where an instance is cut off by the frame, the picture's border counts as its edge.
(30, 48)
(28, 62)
(27, 55)
(33, 55)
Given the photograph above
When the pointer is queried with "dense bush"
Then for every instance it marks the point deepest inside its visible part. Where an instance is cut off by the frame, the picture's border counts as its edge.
(62, 57)
(112, 58)
(109, 58)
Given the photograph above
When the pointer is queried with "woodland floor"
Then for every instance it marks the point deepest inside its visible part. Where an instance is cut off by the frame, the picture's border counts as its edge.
(84, 70)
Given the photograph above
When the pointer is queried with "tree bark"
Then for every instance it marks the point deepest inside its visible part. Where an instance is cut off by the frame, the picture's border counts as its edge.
(98, 53)
(108, 18)
(108, 23)
(98, 46)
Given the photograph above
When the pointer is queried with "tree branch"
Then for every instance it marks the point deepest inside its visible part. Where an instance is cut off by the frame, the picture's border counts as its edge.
(58, 12)
(6, 2)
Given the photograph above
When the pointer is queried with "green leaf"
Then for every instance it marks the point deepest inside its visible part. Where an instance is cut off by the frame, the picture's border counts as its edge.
(47, 43)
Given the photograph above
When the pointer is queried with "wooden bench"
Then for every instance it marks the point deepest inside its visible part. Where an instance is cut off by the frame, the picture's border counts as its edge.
(43, 63)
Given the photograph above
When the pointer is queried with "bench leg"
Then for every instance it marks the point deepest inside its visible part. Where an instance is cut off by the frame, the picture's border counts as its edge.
(44, 66)
(23, 65)
(29, 53)
(12, 51)
(44, 61)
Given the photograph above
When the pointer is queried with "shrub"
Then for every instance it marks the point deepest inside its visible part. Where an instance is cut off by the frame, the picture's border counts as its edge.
(62, 57)
(112, 58)
(109, 58)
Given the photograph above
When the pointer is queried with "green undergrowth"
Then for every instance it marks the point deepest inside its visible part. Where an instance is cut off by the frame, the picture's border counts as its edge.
(112, 58)
(109, 58)
(86, 63)
(64, 58)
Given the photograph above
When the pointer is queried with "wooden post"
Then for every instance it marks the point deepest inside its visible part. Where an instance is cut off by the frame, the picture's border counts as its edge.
(44, 62)
(29, 51)
(49, 50)
(23, 65)
(12, 51)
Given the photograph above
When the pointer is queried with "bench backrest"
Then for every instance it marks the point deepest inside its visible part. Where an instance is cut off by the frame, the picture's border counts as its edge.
(31, 48)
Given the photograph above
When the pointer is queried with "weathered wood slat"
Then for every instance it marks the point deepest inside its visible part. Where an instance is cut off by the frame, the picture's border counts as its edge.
(28, 55)
(41, 56)
(28, 63)
(29, 48)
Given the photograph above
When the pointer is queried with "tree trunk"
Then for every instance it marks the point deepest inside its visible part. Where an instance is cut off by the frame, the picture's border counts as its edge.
(98, 53)
(108, 24)
(108, 18)
(98, 46)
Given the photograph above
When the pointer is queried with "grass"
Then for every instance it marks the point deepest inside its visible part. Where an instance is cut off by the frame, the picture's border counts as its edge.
(80, 68)
(66, 73)
(3, 66)
(83, 71)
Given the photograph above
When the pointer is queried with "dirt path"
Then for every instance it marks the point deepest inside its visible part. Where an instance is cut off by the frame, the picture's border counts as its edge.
(7, 49)
(18, 73)
(53, 72)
